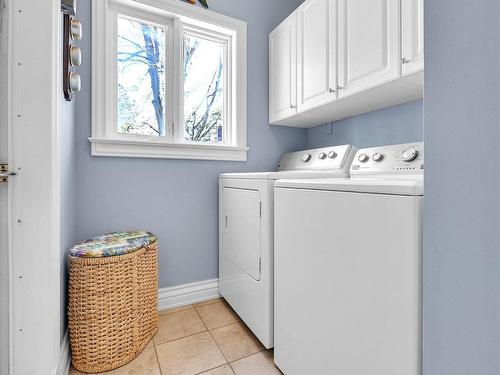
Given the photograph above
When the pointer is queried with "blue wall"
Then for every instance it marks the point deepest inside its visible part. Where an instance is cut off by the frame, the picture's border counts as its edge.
(399, 124)
(462, 188)
(177, 199)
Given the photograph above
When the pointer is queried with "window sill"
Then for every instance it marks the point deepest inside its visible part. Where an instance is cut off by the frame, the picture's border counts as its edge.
(157, 150)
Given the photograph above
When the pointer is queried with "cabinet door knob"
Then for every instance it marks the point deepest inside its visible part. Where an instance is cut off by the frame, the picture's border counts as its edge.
(404, 60)
(340, 88)
(292, 106)
(331, 91)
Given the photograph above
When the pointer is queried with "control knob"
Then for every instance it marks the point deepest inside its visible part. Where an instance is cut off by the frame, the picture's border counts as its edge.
(332, 154)
(409, 154)
(377, 156)
(306, 157)
(363, 158)
(321, 155)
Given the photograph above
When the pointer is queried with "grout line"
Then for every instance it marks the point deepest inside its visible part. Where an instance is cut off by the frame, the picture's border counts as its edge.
(213, 368)
(183, 337)
(209, 301)
(225, 325)
(246, 356)
(216, 343)
(249, 355)
(157, 359)
(201, 318)
(166, 311)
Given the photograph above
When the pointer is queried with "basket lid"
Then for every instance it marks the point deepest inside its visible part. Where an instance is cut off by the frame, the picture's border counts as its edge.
(112, 244)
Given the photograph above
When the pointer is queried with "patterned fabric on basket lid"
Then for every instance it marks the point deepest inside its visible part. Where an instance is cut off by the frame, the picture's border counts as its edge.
(112, 244)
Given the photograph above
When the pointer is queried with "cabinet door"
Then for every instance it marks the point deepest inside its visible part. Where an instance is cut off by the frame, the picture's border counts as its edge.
(368, 44)
(316, 53)
(283, 70)
(412, 23)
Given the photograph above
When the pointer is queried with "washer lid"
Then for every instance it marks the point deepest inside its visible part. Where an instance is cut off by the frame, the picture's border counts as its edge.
(395, 186)
(286, 174)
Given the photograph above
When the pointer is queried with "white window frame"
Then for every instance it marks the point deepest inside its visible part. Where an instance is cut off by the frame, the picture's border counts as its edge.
(178, 18)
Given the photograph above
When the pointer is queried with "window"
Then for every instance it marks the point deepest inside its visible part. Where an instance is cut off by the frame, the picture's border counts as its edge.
(141, 77)
(203, 88)
(169, 81)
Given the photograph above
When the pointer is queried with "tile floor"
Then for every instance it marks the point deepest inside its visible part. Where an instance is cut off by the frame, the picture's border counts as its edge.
(206, 338)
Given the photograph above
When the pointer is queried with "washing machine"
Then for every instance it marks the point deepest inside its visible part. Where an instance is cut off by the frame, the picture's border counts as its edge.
(246, 227)
(348, 259)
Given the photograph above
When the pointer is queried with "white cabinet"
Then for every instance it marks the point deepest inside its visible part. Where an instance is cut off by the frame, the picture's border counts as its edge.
(283, 70)
(333, 59)
(412, 24)
(316, 53)
(368, 44)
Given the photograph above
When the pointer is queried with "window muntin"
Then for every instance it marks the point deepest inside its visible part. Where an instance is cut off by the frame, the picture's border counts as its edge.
(141, 77)
(204, 88)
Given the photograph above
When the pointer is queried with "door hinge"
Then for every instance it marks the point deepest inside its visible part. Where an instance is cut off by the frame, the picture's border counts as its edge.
(260, 209)
(260, 265)
(4, 173)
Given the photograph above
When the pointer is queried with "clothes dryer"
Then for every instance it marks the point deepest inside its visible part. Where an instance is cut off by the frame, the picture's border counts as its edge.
(246, 227)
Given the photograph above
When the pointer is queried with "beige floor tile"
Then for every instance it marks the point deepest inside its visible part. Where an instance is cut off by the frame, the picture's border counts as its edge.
(224, 370)
(146, 363)
(236, 341)
(177, 325)
(175, 309)
(209, 302)
(217, 314)
(257, 364)
(190, 355)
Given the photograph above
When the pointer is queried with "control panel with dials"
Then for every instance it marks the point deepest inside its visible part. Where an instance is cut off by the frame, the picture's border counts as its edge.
(335, 157)
(407, 158)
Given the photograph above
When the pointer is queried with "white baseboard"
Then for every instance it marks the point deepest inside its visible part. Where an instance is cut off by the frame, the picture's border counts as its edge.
(64, 356)
(187, 294)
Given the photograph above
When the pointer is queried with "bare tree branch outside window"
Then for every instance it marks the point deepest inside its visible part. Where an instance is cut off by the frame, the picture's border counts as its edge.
(142, 76)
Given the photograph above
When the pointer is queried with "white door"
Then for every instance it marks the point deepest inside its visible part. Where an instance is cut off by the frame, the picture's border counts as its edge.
(368, 44)
(29, 201)
(4, 190)
(241, 229)
(412, 24)
(316, 53)
(283, 70)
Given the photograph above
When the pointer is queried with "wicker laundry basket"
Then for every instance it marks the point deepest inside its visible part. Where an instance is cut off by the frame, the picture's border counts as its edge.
(113, 297)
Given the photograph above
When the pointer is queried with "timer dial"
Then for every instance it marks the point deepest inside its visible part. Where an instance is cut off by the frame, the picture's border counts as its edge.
(409, 154)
